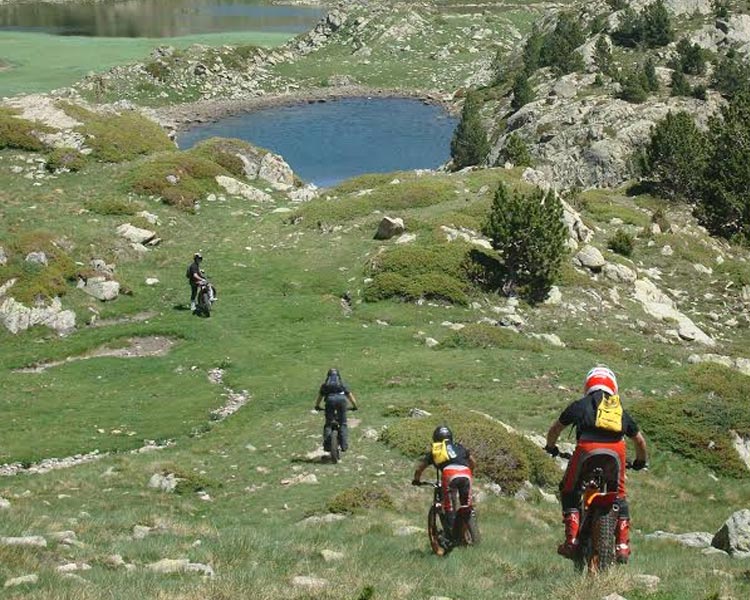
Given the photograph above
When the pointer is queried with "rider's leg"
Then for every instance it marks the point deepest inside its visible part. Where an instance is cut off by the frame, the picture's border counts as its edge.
(622, 533)
(571, 500)
(330, 417)
(343, 428)
(193, 294)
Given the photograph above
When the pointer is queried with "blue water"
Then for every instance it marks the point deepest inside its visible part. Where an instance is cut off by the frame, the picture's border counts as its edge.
(328, 142)
(157, 18)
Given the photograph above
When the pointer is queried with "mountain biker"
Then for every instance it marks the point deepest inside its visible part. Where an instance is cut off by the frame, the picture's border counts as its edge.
(455, 465)
(195, 278)
(596, 429)
(335, 393)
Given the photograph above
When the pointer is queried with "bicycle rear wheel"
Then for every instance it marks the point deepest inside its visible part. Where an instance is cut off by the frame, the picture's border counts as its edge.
(603, 541)
(435, 531)
(335, 446)
(204, 302)
(469, 530)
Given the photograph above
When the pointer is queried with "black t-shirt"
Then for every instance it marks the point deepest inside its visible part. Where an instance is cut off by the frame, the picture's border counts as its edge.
(462, 455)
(579, 413)
(327, 390)
(193, 270)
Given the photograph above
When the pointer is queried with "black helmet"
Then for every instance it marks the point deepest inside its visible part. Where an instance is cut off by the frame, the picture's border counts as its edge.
(442, 433)
(197, 256)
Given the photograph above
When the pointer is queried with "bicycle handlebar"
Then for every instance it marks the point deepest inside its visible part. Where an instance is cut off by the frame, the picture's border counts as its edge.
(569, 455)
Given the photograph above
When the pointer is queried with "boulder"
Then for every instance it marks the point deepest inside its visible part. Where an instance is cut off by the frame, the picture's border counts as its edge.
(3, 257)
(149, 217)
(695, 539)
(165, 483)
(38, 258)
(23, 580)
(169, 565)
(554, 297)
(101, 288)
(134, 234)
(742, 446)
(274, 169)
(16, 317)
(734, 535)
(619, 273)
(36, 541)
(303, 194)
(100, 266)
(235, 187)
(591, 258)
(389, 227)
(5, 504)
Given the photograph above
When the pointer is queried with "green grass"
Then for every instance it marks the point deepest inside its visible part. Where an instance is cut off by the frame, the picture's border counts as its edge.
(31, 70)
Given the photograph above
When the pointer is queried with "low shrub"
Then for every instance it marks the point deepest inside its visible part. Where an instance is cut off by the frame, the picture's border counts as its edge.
(506, 458)
(194, 178)
(65, 158)
(622, 243)
(227, 152)
(696, 423)
(360, 498)
(119, 137)
(431, 286)
(112, 206)
(18, 133)
(484, 335)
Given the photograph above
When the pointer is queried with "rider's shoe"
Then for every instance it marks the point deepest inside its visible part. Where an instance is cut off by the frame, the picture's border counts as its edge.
(569, 547)
(622, 541)
(192, 306)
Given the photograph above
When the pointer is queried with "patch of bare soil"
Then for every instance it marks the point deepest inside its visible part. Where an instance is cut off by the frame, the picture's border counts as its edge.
(137, 347)
(136, 318)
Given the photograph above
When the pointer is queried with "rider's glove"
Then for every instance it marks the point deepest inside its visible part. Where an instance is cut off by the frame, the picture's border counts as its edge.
(318, 408)
(354, 408)
(639, 464)
(552, 450)
(416, 482)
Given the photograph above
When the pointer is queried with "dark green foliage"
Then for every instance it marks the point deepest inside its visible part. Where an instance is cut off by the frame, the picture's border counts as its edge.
(558, 49)
(616, 5)
(731, 75)
(660, 218)
(603, 55)
(483, 335)
(528, 233)
(357, 499)
(725, 203)
(622, 243)
(516, 151)
(112, 206)
(506, 458)
(721, 8)
(226, 152)
(651, 80)
(679, 84)
(532, 51)
(523, 93)
(65, 158)
(598, 24)
(469, 145)
(633, 86)
(119, 137)
(651, 27)
(195, 178)
(691, 58)
(713, 403)
(157, 69)
(675, 156)
(18, 133)
(699, 92)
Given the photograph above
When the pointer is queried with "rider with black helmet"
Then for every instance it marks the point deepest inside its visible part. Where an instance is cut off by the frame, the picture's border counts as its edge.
(195, 277)
(455, 465)
(335, 393)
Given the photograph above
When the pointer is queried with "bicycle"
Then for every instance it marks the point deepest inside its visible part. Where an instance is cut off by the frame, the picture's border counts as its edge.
(465, 529)
(334, 439)
(206, 298)
(599, 510)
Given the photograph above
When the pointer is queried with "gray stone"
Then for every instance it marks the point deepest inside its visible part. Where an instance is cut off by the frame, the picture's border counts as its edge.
(667, 250)
(141, 531)
(389, 227)
(23, 580)
(101, 288)
(331, 555)
(550, 338)
(36, 541)
(169, 565)
(431, 342)
(67, 537)
(165, 483)
(648, 583)
(203, 569)
(4, 504)
(406, 238)
(149, 217)
(418, 413)
(274, 169)
(591, 258)
(619, 273)
(742, 446)
(308, 582)
(38, 258)
(3, 257)
(134, 234)
(695, 539)
(554, 297)
(734, 535)
(323, 519)
(235, 187)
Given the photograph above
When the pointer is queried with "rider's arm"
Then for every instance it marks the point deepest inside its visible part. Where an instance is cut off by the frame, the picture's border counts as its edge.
(472, 462)
(352, 400)
(554, 433)
(318, 401)
(640, 447)
(421, 466)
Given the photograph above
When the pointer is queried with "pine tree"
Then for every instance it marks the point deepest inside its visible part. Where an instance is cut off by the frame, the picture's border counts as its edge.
(558, 50)
(523, 93)
(532, 51)
(603, 55)
(633, 87)
(528, 233)
(680, 85)
(516, 151)
(650, 78)
(657, 26)
(469, 145)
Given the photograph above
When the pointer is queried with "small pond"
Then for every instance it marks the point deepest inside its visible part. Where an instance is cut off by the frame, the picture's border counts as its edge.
(157, 18)
(327, 142)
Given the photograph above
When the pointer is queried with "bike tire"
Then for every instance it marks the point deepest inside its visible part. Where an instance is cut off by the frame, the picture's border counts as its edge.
(205, 303)
(603, 529)
(470, 535)
(434, 531)
(334, 446)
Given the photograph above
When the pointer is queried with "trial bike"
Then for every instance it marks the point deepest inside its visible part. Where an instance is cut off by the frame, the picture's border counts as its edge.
(598, 482)
(206, 297)
(465, 529)
(335, 439)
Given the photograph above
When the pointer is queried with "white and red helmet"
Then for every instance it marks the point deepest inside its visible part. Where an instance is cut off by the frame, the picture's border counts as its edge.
(600, 378)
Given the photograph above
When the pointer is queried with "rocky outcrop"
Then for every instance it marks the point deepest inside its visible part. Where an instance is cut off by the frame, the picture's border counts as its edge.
(389, 227)
(275, 170)
(467, 235)
(100, 288)
(136, 235)
(234, 187)
(17, 317)
(734, 536)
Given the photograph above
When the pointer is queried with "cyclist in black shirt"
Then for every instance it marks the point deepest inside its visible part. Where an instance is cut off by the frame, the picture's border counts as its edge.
(335, 393)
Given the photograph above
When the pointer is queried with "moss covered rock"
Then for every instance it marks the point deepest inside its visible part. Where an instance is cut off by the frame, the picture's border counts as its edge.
(18, 133)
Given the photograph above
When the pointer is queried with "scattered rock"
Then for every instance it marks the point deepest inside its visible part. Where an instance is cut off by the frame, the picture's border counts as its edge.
(648, 583)
(4, 504)
(169, 565)
(38, 258)
(323, 519)
(305, 478)
(114, 561)
(331, 555)
(619, 273)
(554, 297)
(614, 596)
(591, 258)
(696, 539)
(136, 235)
(36, 541)
(742, 446)
(406, 238)
(431, 342)
(165, 483)
(100, 288)
(550, 338)
(667, 250)
(152, 281)
(312, 583)
(23, 580)
(418, 413)
(389, 227)
(235, 187)
(72, 567)
(274, 169)
(149, 217)
(141, 531)
(3, 257)
(734, 535)
(67, 538)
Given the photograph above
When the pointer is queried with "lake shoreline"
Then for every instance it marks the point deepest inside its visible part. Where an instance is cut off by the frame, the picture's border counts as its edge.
(179, 117)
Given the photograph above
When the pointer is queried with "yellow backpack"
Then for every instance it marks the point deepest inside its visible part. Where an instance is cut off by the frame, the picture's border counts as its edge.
(609, 414)
(442, 452)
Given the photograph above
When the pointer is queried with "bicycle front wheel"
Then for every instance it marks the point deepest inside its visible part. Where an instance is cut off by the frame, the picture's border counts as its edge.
(335, 446)
(435, 531)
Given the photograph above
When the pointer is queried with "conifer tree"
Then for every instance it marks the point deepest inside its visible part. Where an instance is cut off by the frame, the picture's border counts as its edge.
(469, 145)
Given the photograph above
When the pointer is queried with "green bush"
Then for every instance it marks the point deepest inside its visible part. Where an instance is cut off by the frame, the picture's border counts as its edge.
(691, 58)
(360, 498)
(484, 335)
(469, 145)
(516, 151)
(112, 206)
(226, 152)
(65, 158)
(119, 137)
(195, 178)
(532, 51)
(731, 75)
(696, 424)
(679, 84)
(651, 80)
(621, 243)
(651, 27)
(558, 48)
(633, 87)
(523, 93)
(603, 55)
(19, 133)
(528, 233)
(506, 458)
